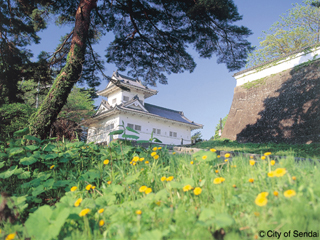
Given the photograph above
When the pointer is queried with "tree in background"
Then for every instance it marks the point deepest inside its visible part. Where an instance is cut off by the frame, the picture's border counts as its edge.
(297, 29)
(151, 38)
(197, 136)
(216, 133)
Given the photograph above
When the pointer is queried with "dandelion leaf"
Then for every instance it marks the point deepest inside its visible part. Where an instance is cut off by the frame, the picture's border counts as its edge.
(162, 194)
(188, 181)
(223, 220)
(154, 235)
(24, 175)
(131, 179)
(1, 165)
(8, 173)
(28, 160)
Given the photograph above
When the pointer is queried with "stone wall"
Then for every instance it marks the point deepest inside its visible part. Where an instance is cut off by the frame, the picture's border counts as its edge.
(284, 107)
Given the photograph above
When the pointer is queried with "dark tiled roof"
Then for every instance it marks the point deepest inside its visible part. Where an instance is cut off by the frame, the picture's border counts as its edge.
(168, 113)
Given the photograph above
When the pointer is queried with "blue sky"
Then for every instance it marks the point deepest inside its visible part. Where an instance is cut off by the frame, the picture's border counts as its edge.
(205, 95)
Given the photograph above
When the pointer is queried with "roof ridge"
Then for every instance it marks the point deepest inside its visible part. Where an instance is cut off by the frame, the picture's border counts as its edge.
(164, 108)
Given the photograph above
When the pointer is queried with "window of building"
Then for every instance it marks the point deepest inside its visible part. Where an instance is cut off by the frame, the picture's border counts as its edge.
(173, 134)
(112, 126)
(130, 125)
(156, 131)
(114, 100)
(137, 127)
(125, 98)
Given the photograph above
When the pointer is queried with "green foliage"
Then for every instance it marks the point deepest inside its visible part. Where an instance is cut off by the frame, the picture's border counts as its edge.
(42, 206)
(197, 136)
(216, 133)
(255, 83)
(297, 29)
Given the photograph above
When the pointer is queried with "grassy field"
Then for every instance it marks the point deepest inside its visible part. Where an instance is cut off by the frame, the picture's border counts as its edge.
(82, 191)
(299, 150)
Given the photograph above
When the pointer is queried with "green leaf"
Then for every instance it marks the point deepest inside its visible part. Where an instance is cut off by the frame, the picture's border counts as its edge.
(28, 160)
(131, 179)
(51, 156)
(130, 136)
(75, 145)
(206, 213)
(202, 182)
(21, 132)
(117, 189)
(49, 183)
(8, 173)
(42, 225)
(31, 147)
(3, 155)
(18, 171)
(24, 175)
(153, 234)
(223, 220)
(1, 165)
(32, 138)
(174, 185)
(188, 181)
(38, 190)
(204, 156)
(15, 151)
(116, 132)
(49, 147)
(131, 130)
(162, 194)
(62, 183)
(143, 141)
(157, 140)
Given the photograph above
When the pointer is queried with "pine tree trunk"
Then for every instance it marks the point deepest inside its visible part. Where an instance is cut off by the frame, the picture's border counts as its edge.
(41, 121)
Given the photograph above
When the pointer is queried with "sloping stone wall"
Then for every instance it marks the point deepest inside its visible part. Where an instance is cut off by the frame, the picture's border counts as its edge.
(284, 107)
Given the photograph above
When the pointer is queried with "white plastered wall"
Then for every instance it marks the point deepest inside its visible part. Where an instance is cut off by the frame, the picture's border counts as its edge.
(279, 66)
(148, 123)
(119, 96)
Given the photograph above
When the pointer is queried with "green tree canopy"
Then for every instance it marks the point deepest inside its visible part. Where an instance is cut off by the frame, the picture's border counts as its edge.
(296, 29)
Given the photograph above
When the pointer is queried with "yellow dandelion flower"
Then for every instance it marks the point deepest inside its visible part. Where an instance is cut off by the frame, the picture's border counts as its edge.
(234, 186)
(174, 153)
(252, 162)
(135, 159)
(197, 191)
(267, 153)
(263, 157)
(227, 155)
(109, 182)
(141, 159)
(257, 214)
(218, 180)
(289, 193)
(163, 179)
(101, 223)
(93, 187)
(138, 212)
(213, 150)
(251, 180)
(158, 203)
(251, 157)
(200, 180)
(191, 162)
(143, 188)
(153, 154)
(88, 187)
(73, 189)
(148, 190)
(169, 178)
(52, 167)
(77, 203)
(156, 157)
(101, 210)
(204, 157)
(134, 163)
(272, 162)
(84, 212)
(146, 162)
(10, 236)
(130, 162)
(271, 174)
(294, 178)
(263, 194)
(279, 172)
(276, 193)
(154, 149)
(159, 148)
(105, 162)
(216, 171)
(142, 169)
(218, 156)
(187, 188)
(261, 200)
(226, 160)
(222, 179)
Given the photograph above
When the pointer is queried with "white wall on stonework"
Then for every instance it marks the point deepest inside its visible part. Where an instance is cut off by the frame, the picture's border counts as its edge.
(277, 67)
(147, 125)
(120, 93)
(99, 133)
